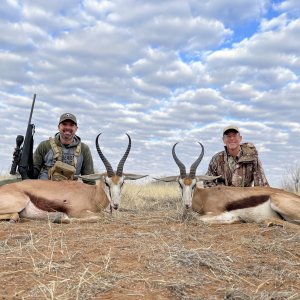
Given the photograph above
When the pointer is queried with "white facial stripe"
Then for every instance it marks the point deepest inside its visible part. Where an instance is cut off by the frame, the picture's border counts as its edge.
(113, 190)
(187, 191)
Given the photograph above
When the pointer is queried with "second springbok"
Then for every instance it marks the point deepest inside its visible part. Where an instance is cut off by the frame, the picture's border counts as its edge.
(227, 205)
(62, 201)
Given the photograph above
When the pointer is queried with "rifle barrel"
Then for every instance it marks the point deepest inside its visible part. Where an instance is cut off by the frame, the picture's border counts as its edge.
(32, 106)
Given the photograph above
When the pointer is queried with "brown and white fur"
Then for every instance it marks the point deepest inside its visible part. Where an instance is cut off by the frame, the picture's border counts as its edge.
(61, 201)
(227, 205)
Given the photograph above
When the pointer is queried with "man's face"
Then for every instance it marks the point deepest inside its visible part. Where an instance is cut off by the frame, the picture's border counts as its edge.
(232, 139)
(67, 130)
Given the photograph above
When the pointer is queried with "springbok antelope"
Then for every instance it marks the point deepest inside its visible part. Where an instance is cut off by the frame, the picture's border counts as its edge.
(61, 201)
(227, 205)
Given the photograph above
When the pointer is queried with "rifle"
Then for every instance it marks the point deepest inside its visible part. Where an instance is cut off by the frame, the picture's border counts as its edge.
(23, 156)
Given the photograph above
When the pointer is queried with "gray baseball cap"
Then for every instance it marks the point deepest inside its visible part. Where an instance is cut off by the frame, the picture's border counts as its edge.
(231, 127)
(67, 116)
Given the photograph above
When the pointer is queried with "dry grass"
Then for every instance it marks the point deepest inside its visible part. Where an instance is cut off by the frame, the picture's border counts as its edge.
(146, 251)
(151, 196)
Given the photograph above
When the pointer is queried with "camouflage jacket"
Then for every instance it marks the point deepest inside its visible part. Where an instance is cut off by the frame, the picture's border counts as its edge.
(43, 157)
(244, 171)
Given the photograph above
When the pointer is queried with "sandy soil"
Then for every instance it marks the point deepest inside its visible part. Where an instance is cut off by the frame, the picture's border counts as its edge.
(148, 254)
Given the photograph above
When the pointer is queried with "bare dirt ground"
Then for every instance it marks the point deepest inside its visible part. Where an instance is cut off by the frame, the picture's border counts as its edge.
(148, 252)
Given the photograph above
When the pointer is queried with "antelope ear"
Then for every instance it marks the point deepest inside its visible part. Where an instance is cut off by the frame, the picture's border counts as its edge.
(167, 179)
(133, 176)
(91, 177)
(207, 178)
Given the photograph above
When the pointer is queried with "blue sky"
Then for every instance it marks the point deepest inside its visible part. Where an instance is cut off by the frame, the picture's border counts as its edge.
(163, 71)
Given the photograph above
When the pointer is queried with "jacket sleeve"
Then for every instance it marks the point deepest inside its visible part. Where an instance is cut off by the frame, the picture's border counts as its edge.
(87, 164)
(38, 158)
(259, 174)
(211, 171)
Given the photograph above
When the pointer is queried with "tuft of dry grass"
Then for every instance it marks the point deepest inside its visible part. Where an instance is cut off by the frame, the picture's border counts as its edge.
(151, 196)
(147, 250)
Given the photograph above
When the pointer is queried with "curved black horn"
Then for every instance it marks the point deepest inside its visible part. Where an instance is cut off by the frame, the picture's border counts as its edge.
(109, 169)
(179, 163)
(122, 161)
(195, 165)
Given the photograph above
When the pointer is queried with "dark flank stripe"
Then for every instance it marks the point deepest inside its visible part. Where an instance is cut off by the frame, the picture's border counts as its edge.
(47, 205)
(247, 202)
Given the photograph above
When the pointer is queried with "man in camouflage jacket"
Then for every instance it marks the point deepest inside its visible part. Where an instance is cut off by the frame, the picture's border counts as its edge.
(238, 165)
(70, 147)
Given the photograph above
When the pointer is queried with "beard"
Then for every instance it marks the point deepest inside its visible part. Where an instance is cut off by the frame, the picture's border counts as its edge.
(67, 135)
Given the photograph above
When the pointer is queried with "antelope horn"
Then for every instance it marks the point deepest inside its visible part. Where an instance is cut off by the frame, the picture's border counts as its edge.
(122, 161)
(109, 169)
(179, 163)
(195, 165)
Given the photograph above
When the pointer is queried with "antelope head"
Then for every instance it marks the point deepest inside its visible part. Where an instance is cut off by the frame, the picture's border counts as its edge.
(188, 182)
(113, 180)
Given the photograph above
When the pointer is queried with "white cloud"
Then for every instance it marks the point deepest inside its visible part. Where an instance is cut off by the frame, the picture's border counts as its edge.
(230, 12)
(164, 71)
(275, 23)
(266, 59)
(290, 6)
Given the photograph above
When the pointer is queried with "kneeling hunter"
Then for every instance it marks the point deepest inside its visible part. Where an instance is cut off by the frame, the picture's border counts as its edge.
(64, 155)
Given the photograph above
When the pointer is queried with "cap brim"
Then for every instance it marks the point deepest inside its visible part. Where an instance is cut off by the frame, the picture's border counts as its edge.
(231, 129)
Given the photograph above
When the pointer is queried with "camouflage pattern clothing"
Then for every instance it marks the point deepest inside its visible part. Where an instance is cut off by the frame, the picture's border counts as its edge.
(243, 171)
(43, 157)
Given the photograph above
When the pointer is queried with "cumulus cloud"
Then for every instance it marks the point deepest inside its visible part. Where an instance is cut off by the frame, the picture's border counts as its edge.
(230, 12)
(289, 6)
(163, 71)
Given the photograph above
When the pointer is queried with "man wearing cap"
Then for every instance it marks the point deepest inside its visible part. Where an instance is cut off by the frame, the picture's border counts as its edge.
(64, 155)
(238, 165)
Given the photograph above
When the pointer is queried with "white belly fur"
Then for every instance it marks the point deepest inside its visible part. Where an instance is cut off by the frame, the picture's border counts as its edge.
(255, 214)
(32, 212)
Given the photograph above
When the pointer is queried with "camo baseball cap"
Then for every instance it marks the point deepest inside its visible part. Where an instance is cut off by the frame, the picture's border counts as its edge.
(231, 127)
(67, 116)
